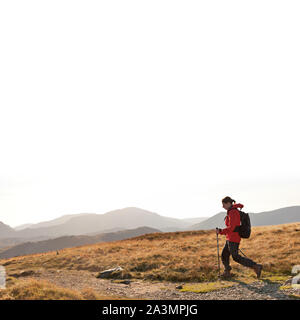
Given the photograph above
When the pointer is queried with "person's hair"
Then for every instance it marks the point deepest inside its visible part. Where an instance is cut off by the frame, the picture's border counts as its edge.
(228, 199)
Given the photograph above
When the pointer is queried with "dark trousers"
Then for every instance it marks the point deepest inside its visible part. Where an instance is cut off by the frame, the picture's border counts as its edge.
(232, 248)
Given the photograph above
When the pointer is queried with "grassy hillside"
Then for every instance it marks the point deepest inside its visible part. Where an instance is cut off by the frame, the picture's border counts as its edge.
(175, 256)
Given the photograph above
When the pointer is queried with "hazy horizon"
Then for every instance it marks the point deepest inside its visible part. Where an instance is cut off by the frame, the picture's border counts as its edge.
(168, 110)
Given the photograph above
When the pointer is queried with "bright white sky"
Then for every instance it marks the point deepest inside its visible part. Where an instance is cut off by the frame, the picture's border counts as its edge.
(164, 105)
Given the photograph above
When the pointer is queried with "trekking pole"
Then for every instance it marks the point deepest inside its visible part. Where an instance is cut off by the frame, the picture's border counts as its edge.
(218, 252)
(243, 253)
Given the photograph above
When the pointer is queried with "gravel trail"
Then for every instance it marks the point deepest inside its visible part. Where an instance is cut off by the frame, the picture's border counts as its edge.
(162, 290)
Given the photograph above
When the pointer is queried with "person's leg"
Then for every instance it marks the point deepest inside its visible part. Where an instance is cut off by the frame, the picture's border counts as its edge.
(234, 250)
(225, 257)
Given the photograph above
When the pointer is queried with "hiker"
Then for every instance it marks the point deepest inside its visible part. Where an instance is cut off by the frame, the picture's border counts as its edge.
(233, 239)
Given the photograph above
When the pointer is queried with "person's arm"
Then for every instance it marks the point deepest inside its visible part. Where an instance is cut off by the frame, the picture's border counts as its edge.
(233, 221)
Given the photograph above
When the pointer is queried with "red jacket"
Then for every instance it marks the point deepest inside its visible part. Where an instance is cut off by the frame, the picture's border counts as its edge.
(231, 221)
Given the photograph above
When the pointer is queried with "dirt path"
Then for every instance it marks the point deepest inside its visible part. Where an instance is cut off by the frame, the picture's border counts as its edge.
(140, 289)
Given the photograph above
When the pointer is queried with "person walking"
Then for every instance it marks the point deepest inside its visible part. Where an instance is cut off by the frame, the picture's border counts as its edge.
(233, 239)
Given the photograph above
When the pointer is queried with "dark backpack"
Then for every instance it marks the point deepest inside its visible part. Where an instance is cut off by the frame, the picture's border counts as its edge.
(244, 229)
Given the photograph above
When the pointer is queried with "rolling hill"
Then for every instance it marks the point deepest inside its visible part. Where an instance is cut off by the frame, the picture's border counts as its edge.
(80, 224)
(71, 241)
(50, 223)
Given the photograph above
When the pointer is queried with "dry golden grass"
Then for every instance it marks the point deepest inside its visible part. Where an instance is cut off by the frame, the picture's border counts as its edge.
(38, 290)
(174, 256)
(32, 289)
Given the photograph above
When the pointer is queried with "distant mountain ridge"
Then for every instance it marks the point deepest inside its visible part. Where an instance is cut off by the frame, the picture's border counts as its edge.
(71, 241)
(79, 224)
(6, 231)
(195, 220)
(23, 226)
(51, 223)
(272, 217)
(130, 218)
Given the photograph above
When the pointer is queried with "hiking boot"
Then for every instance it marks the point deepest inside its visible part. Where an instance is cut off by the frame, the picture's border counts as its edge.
(258, 268)
(226, 274)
